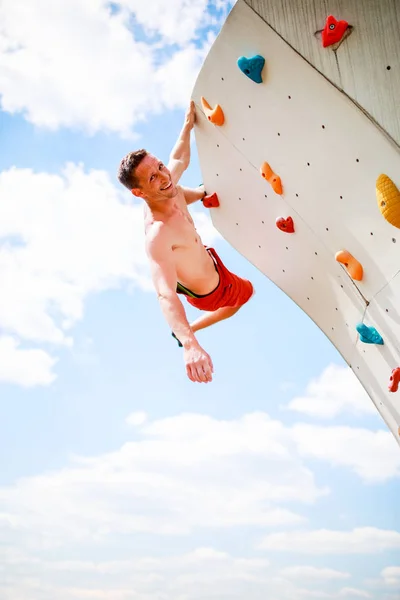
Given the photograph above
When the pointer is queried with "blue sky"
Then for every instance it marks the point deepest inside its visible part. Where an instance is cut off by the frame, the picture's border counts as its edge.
(119, 477)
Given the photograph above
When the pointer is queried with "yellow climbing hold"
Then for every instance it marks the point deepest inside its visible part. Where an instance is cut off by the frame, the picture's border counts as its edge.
(388, 197)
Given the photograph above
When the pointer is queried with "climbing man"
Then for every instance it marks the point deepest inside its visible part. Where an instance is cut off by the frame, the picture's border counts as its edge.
(179, 262)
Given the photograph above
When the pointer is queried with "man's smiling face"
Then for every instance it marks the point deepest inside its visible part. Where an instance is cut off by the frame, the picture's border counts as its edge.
(154, 179)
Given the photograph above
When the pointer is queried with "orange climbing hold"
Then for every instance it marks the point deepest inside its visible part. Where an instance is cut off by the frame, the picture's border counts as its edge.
(394, 380)
(272, 178)
(388, 197)
(354, 268)
(214, 115)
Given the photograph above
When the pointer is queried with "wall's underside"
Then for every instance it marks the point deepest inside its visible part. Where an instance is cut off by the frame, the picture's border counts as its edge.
(359, 66)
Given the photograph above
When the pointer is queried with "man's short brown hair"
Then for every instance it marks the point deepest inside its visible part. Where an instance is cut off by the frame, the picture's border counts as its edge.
(127, 167)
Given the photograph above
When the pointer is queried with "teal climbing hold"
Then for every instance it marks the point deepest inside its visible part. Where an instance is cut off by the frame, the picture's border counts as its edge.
(252, 67)
(369, 335)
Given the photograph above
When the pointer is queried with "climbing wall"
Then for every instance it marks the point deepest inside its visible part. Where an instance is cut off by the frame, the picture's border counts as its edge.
(299, 129)
(366, 67)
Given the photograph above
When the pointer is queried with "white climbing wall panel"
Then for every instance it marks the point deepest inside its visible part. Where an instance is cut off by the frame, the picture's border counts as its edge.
(328, 155)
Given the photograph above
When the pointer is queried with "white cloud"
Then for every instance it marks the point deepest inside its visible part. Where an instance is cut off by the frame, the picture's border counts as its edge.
(176, 21)
(373, 455)
(202, 573)
(391, 576)
(104, 77)
(337, 390)
(182, 475)
(346, 592)
(75, 238)
(136, 418)
(362, 540)
(342, 593)
(185, 472)
(313, 573)
(26, 367)
(70, 237)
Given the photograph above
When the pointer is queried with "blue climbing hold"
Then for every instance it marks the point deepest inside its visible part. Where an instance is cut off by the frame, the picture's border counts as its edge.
(252, 67)
(369, 335)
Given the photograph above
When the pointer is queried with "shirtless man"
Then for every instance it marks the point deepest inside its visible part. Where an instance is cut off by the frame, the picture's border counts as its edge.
(179, 262)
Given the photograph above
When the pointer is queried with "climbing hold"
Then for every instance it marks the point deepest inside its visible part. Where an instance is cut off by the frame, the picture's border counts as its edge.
(271, 177)
(333, 31)
(214, 115)
(395, 380)
(285, 225)
(354, 268)
(211, 201)
(252, 67)
(388, 197)
(369, 335)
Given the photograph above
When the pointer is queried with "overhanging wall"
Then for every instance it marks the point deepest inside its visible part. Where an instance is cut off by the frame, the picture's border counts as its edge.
(328, 154)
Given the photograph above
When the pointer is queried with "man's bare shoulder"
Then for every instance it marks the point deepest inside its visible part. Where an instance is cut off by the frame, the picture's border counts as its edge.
(157, 238)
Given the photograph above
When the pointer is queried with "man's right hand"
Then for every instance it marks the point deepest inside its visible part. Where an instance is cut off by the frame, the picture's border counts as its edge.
(199, 366)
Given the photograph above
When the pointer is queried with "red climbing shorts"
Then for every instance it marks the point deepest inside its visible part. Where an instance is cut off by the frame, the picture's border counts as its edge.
(231, 291)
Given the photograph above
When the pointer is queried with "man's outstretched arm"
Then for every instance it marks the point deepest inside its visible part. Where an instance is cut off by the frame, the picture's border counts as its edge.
(198, 363)
(193, 194)
(180, 155)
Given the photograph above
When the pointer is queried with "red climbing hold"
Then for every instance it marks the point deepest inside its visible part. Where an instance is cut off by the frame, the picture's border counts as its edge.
(211, 201)
(395, 380)
(285, 225)
(333, 31)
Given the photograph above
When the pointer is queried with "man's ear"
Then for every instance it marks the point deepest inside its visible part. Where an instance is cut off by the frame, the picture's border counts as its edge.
(137, 192)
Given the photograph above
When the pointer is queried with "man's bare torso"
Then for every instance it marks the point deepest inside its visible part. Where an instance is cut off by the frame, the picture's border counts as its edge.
(194, 266)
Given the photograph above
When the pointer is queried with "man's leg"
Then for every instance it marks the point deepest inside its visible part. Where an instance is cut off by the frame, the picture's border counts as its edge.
(212, 317)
